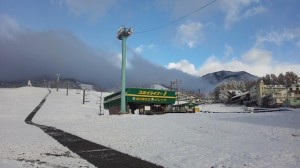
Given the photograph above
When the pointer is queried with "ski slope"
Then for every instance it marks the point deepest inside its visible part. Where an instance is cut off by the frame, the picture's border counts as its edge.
(172, 140)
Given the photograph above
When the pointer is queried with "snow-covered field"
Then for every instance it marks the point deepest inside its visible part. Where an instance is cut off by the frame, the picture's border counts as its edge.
(171, 140)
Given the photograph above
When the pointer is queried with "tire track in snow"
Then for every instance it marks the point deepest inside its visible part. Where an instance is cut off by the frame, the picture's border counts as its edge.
(98, 155)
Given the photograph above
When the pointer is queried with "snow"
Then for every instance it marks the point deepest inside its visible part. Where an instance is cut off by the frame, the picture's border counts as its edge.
(23, 145)
(171, 140)
(222, 108)
(86, 86)
(159, 87)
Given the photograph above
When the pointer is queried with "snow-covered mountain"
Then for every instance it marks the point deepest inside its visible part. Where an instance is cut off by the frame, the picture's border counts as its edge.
(159, 87)
(206, 83)
(220, 76)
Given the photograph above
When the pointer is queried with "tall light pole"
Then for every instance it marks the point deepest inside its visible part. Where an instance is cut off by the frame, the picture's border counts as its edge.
(122, 34)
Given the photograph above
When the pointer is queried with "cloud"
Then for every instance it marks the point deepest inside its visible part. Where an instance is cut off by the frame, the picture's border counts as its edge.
(116, 60)
(228, 50)
(257, 56)
(42, 54)
(145, 73)
(253, 11)
(94, 9)
(183, 66)
(141, 48)
(279, 37)
(255, 61)
(237, 10)
(189, 34)
(8, 27)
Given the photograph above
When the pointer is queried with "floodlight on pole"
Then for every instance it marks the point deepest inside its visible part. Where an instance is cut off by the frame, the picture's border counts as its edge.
(122, 34)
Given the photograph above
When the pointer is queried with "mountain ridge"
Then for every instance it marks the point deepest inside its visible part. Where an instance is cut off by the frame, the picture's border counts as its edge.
(221, 76)
(213, 79)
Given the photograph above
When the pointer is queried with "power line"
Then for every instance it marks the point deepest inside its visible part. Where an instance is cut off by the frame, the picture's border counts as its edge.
(178, 19)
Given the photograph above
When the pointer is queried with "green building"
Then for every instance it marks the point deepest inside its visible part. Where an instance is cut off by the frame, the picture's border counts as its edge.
(146, 101)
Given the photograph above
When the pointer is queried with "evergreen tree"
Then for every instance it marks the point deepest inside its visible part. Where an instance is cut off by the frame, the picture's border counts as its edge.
(274, 80)
(267, 80)
(288, 78)
(291, 78)
(281, 79)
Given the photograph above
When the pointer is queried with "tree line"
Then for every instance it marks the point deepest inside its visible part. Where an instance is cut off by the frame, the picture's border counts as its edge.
(287, 79)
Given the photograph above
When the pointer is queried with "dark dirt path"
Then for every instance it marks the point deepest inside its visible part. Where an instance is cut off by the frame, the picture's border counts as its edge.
(98, 155)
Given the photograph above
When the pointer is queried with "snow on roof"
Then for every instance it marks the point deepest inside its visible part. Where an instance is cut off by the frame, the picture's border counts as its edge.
(242, 94)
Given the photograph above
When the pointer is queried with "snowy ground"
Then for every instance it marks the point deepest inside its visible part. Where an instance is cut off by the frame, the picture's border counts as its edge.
(171, 140)
(23, 145)
(222, 108)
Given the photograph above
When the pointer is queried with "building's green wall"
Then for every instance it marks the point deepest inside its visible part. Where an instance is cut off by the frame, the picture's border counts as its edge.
(293, 102)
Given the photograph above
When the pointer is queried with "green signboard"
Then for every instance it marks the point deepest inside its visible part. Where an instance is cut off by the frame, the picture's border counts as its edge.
(150, 96)
(138, 95)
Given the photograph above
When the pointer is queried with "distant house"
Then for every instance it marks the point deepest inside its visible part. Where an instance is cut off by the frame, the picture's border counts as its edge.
(185, 107)
(275, 99)
(293, 96)
(274, 95)
(241, 98)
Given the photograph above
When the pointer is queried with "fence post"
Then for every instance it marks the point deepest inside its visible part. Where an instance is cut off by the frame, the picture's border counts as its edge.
(83, 96)
(67, 88)
(101, 105)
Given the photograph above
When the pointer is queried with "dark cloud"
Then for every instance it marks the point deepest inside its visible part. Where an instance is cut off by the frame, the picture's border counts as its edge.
(32, 54)
(144, 72)
(36, 54)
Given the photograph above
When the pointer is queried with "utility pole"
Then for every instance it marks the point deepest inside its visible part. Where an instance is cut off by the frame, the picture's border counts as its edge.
(67, 88)
(57, 82)
(176, 82)
(83, 98)
(122, 34)
(100, 105)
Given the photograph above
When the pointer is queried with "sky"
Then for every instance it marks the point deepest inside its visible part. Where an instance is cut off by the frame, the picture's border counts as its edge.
(170, 37)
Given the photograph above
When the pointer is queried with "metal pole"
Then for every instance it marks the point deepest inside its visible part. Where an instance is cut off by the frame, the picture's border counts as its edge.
(67, 88)
(100, 104)
(122, 34)
(177, 82)
(287, 99)
(177, 91)
(123, 102)
(57, 82)
(83, 97)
